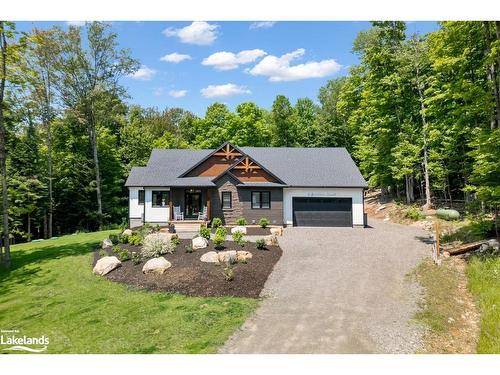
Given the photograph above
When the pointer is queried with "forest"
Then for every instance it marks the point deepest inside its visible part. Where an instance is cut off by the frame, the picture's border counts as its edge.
(420, 115)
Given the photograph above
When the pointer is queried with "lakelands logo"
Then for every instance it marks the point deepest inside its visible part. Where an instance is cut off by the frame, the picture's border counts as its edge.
(17, 342)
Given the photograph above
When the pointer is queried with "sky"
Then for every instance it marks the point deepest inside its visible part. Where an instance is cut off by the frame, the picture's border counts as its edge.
(194, 64)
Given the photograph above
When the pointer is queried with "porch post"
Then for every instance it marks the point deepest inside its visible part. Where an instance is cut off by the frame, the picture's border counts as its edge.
(209, 204)
(171, 210)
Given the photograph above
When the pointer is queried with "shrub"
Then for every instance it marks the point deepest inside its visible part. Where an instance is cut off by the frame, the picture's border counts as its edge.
(228, 273)
(189, 249)
(241, 221)
(135, 239)
(414, 213)
(175, 241)
(103, 253)
(123, 238)
(114, 238)
(220, 237)
(136, 257)
(156, 245)
(260, 244)
(122, 254)
(447, 214)
(238, 238)
(148, 229)
(205, 232)
(216, 222)
(264, 222)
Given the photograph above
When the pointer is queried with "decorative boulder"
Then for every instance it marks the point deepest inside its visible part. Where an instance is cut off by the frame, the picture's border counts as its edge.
(106, 243)
(228, 256)
(240, 229)
(127, 232)
(156, 265)
(210, 257)
(243, 256)
(165, 236)
(493, 244)
(199, 243)
(271, 240)
(277, 231)
(105, 265)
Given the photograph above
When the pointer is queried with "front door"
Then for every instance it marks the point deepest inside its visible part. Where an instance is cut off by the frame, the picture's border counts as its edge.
(192, 202)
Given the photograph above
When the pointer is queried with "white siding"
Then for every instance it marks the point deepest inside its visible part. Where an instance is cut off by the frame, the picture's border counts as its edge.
(135, 209)
(355, 193)
(155, 214)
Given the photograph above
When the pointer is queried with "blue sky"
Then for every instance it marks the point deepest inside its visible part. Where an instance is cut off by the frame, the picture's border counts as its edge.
(260, 60)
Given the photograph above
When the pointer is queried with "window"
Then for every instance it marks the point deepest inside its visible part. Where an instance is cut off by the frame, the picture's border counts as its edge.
(227, 201)
(141, 196)
(160, 198)
(261, 199)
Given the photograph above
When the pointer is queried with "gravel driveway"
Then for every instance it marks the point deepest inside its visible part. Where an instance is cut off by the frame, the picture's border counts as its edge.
(339, 290)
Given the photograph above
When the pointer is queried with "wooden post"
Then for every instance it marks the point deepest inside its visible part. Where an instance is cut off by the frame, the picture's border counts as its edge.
(171, 210)
(209, 204)
(436, 244)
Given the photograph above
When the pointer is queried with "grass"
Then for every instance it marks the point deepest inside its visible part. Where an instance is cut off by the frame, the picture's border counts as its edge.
(484, 283)
(52, 291)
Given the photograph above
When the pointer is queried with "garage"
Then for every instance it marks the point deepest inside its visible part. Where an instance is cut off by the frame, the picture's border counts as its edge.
(322, 212)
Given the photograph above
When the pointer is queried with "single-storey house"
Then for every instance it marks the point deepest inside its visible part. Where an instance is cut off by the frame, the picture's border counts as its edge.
(288, 186)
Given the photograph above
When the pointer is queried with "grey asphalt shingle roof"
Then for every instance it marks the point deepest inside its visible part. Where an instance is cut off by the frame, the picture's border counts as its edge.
(300, 167)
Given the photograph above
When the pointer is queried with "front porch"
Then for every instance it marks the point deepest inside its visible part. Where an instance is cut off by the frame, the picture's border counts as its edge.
(190, 205)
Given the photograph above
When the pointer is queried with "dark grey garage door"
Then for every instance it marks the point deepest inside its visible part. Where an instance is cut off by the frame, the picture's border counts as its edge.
(322, 212)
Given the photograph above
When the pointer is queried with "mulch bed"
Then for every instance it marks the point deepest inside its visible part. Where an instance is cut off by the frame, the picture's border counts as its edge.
(190, 276)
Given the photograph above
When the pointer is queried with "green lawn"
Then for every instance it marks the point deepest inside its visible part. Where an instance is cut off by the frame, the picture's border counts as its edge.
(51, 291)
(484, 282)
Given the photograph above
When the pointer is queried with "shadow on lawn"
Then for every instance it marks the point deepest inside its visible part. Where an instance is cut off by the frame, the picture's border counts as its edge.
(25, 263)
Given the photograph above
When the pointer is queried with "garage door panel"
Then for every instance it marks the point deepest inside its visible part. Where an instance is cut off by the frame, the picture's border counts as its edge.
(322, 212)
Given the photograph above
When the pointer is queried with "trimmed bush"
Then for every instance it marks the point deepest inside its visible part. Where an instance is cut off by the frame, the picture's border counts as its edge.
(264, 222)
(122, 254)
(155, 245)
(238, 238)
(189, 249)
(216, 222)
(204, 232)
(123, 238)
(228, 273)
(241, 221)
(220, 237)
(447, 214)
(115, 239)
(260, 244)
(136, 257)
(135, 240)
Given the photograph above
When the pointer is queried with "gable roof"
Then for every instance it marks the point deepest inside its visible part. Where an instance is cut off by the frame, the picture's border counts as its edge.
(296, 167)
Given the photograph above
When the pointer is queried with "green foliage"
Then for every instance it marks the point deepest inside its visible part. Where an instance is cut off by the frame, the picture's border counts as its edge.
(123, 238)
(260, 244)
(122, 254)
(188, 249)
(220, 237)
(263, 222)
(136, 257)
(156, 245)
(135, 239)
(478, 228)
(228, 273)
(205, 232)
(414, 213)
(238, 238)
(241, 221)
(115, 238)
(216, 222)
(175, 241)
(103, 253)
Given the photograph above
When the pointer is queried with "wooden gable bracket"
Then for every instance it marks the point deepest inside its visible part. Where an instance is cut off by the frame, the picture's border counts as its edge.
(247, 165)
(228, 152)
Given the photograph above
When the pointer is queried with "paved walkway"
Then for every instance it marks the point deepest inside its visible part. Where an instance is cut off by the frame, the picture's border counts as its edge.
(339, 290)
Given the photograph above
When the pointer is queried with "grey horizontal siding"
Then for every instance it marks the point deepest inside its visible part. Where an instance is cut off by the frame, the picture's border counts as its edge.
(253, 215)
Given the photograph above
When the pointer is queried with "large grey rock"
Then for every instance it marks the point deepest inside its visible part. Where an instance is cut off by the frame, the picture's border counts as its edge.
(271, 240)
(210, 257)
(127, 232)
(105, 265)
(199, 243)
(243, 256)
(106, 243)
(494, 244)
(156, 265)
(229, 256)
(239, 228)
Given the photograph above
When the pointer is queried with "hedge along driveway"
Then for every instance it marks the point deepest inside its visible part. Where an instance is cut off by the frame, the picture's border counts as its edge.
(52, 291)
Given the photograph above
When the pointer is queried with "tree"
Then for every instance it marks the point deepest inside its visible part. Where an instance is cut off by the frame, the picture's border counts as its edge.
(284, 122)
(87, 71)
(307, 128)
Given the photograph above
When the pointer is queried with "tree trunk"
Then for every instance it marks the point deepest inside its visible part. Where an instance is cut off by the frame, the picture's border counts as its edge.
(3, 153)
(407, 189)
(49, 172)
(93, 141)
(493, 76)
(45, 229)
(29, 228)
(496, 221)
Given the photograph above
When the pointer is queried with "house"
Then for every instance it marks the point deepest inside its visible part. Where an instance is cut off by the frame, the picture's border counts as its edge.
(288, 186)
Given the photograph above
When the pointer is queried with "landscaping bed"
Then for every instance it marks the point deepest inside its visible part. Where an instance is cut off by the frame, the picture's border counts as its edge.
(252, 231)
(190, 276)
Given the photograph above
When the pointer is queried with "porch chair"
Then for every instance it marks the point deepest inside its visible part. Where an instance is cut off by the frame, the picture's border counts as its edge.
(178, 214)
(202, 215)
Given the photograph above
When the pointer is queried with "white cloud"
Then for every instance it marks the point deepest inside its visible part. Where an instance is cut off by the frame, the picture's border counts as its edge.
(143, 73)
(262, 24)
(229, 89)
(279, 68)
(177, 93)
(199, 32)
(175, 57)
(75, 23)
(227, 60)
